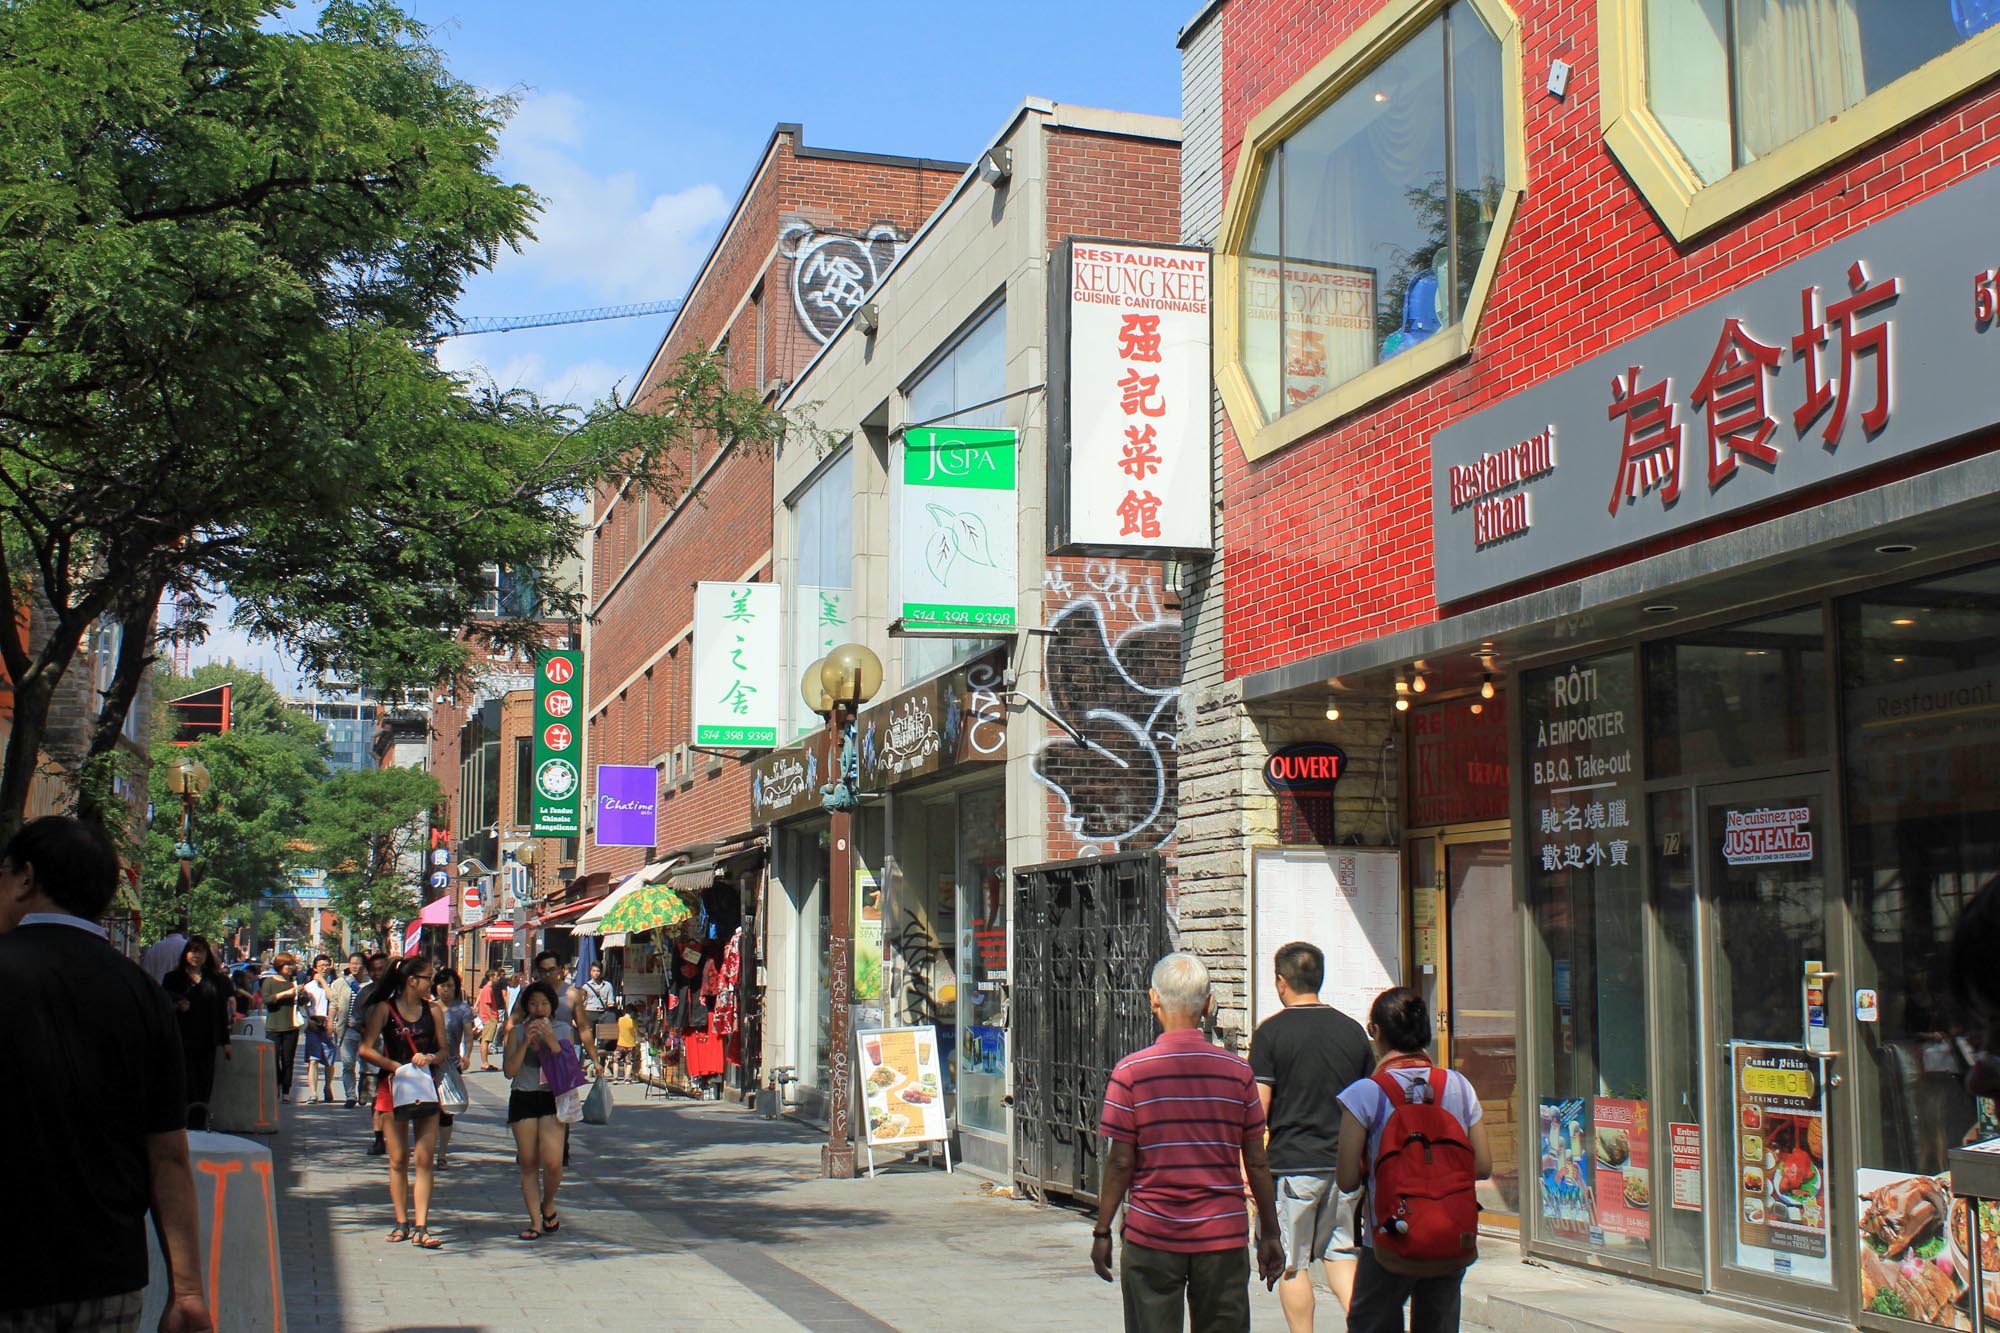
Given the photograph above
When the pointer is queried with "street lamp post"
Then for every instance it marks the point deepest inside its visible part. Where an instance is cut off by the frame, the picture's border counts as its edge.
(836, 687)
(190, 779)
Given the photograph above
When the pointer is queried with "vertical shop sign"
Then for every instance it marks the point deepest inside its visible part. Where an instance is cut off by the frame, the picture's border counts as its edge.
(819, 625)
(1138, 398)
(1622, 1137)
(738, 662)
(1458, 763)
(627, 805)
(1565, 1170)
(558, 795)
(1779, 1127)
(1684, 1145)
(957, 506)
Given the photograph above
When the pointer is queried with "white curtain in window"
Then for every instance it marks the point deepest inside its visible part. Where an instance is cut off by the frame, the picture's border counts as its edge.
(1798, 63)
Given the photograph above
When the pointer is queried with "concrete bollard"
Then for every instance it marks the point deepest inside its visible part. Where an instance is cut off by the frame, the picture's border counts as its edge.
(245, 1099)
(249, 1025)
(240, 1273)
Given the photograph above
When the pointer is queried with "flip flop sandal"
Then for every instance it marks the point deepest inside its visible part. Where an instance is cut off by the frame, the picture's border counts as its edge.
(529, 1234)
(423, 1239)
(551, 1223)
(401, 1233)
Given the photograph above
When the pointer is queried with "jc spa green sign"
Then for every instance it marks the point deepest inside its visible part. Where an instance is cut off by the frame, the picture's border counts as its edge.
(558, 774)
(957, 508)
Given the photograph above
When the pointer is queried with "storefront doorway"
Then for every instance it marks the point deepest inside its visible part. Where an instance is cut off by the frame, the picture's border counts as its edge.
(1776, 999)
(1461, 925)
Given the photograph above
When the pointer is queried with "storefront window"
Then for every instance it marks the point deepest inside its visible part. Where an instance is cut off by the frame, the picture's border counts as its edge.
(1731, 81)
(1738, 696)
(1587, 899)
(1371, 219)
(803, 864)
(822, 597)
(982, 955)
(1920, 694)
(1679, 1203)
(958, 389)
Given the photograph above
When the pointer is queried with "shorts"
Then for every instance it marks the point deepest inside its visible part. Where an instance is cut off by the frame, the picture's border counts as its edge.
(1316, 1221)
(318, 1047)
(385, 1102)
(530, 1104)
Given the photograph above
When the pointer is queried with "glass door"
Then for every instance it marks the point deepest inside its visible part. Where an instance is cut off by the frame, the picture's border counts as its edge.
(1481, 995)
(1780, 1187)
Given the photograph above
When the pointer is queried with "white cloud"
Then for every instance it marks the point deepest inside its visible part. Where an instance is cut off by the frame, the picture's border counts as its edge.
(603, 235)
(581, 382)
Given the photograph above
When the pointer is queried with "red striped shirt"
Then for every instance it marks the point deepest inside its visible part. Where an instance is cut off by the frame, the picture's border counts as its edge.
(1185, 1105)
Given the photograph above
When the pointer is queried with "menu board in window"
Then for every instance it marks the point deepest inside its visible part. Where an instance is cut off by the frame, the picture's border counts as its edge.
(1346, 900)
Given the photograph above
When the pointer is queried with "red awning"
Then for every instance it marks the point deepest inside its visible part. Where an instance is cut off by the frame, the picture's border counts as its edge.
(568, 912)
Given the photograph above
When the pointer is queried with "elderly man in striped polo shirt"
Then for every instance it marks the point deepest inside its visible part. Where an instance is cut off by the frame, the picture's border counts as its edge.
(1186, 1127)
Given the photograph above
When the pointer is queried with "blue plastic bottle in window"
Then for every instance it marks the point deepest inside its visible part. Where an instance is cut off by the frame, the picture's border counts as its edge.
(1420, 314)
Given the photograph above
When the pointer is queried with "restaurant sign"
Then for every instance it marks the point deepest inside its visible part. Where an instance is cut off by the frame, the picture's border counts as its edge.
(1862, 351)
(1129, 462)
(558, 746)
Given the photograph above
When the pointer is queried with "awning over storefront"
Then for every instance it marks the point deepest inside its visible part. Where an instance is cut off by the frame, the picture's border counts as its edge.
(437, 912)
(587, 923)
(569, 914)
(698, 876)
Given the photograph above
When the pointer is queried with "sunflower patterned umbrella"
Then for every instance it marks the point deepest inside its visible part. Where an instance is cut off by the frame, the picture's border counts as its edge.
(646, 908)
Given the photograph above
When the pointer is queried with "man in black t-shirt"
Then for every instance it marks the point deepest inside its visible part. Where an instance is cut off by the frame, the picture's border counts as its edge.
(98, 1110)
(1304, 1056)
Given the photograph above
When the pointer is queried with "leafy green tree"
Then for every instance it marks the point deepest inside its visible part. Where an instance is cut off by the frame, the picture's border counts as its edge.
(247, 828)
(223, 248)
(361, 825)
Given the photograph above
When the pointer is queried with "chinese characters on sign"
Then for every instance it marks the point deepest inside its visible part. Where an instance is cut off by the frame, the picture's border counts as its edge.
(738, 698)
(1138, 394)
(819, 625)
(558, 754)
(1839, 361)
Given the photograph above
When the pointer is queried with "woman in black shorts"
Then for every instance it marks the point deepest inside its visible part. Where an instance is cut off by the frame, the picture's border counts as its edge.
(407, 1030)
(531, 1108)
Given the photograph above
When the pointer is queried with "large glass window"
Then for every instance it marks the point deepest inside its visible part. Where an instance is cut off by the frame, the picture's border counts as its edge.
(951, 390)
(822, 592)
(1737, 696)
(1371, 219)
(1731, 81)
(1920, 695)
(1593, 1111)
(982, 959)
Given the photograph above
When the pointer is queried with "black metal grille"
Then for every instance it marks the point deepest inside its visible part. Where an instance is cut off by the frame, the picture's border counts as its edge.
(1086, 936)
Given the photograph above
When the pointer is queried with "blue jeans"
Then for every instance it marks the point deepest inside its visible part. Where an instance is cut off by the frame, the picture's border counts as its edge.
(350, 1057)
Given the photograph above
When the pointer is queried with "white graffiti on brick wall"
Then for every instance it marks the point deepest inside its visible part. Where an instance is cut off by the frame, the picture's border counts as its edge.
(833, 272)
(1122, 696)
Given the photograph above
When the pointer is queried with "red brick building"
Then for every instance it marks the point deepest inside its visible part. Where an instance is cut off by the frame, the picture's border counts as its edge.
(760, 296)
(1605, 471)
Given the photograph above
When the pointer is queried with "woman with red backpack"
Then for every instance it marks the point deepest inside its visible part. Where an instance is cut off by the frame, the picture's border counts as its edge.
(1412, 1131)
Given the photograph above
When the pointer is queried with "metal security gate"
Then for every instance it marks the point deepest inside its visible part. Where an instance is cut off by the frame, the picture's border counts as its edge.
(1086, 936)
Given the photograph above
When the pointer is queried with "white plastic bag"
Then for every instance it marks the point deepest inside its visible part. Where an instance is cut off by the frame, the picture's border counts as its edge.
(569, 1106)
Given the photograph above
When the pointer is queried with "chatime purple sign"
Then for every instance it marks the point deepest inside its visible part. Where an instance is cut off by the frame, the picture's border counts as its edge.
(627, 803)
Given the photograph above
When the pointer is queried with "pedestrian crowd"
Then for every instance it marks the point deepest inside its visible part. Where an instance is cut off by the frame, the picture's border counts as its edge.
(1358, 1155)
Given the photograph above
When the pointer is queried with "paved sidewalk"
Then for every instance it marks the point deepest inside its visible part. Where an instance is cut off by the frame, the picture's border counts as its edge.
(691, 1215)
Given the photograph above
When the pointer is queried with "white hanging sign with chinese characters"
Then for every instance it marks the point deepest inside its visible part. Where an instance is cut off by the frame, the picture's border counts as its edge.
(1138, 386)
(1876, 346)
(819, 625)
(739, 698)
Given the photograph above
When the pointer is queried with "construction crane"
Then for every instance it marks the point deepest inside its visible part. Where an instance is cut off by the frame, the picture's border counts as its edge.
(465, 328)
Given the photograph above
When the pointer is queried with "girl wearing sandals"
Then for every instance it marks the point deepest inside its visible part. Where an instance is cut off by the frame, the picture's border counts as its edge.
(531, 1108)
(406, 1027)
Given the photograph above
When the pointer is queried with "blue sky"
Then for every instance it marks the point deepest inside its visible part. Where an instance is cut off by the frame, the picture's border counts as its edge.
(620, 128)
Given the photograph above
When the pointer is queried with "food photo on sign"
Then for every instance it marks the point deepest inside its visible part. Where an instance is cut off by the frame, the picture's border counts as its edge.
(1915, 1253)
(902, 1087)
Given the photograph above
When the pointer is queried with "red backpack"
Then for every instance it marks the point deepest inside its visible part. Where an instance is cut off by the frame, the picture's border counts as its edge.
(1421, 1199)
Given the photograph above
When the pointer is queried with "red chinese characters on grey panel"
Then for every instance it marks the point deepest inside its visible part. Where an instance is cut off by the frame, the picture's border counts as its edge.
(1843, 318)
(1732, 391)
(1650, 454)
(1852, 340)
